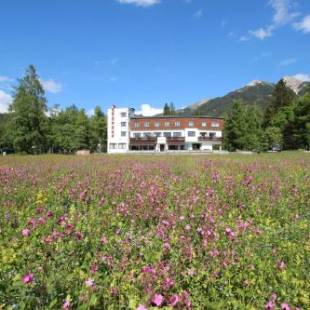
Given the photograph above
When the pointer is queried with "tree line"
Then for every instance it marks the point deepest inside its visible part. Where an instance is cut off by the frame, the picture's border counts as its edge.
(30, 127)
(285, 124)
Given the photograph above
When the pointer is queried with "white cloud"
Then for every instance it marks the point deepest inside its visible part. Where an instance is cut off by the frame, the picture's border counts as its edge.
(6, 79)
(261, 33)
(51, 86)
(302, 77)
(287, 62)
(303, 25)
(5, 101)
(147, 110)
(143, 3)
(282, 11)
(283, 14)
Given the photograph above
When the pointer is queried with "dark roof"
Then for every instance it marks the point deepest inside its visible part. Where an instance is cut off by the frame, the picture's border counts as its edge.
(175, 116)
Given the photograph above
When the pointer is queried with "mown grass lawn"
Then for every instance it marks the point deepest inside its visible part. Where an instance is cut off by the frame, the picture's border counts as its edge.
(148, 232)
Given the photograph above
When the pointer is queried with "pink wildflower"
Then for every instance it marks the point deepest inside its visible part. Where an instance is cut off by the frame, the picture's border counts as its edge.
(230, 233)
(28, 278)
(41, 220)
(104, 240)
(157, 300)
(173, 300)
(50, 214)
(83, 195)
(285, 306)
(148, 269)
(90, 282)
(26, 232)
(141, 307)
(214, 253)
(94, 268)
(270, 305)
(79, 235)
(281, 265)
(66, 305)
(186, 299)
(168, 282)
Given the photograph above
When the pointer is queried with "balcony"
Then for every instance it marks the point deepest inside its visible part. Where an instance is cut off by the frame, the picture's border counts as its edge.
(210, 138)
(175, 140)
(143, 141)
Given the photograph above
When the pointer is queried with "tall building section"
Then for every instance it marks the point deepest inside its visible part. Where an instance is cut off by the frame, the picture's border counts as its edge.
(129, 133)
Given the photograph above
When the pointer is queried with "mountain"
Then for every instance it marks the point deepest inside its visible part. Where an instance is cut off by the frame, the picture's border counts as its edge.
(255, 93)
(305, 87)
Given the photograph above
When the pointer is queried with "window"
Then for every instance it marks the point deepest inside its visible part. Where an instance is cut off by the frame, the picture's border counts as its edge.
(146, 124)
(112, 146)
(204, 124)
(157, 124)
(137, 135)
(123, 114)
(212, 134)
(177, 134)
(123, 133)
(137, 125)
(122, 146)
(167, 134)
(123, 124)
(158, 134)
(190, 124)
(215, 124)
(167, 124)
(191, 133)
(177, 124)
(147, 134)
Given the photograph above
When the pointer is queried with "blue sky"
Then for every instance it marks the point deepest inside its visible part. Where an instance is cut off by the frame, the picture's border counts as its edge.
(135, 52)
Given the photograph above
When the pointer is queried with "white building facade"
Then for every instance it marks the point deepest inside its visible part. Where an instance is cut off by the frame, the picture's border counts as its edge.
(130, 133)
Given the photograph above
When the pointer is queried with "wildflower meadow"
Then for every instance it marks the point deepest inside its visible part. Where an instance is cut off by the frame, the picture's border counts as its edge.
(149, 232)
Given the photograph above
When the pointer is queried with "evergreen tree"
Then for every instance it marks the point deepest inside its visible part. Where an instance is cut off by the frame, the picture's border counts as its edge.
(282, 96)
(82, 131)
(254, 134)
(98, 131)
(5, 139)
(234, 129)
(301, 124)
(243, 128)
(167, 109)
(284, 119)
(273, 136)
(172, 108)
(28, 125)
(63, 134)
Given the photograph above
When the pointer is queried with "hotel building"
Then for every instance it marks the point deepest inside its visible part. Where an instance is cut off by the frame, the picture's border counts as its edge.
(128, 132)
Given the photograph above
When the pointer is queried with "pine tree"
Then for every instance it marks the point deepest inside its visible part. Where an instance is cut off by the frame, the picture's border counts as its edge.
(282, 96)
(235, 129)
(28, 125)
(167, 109)
(172, 108)
(301, 124)
(273, 137)
(254, 134)
(98, 131)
